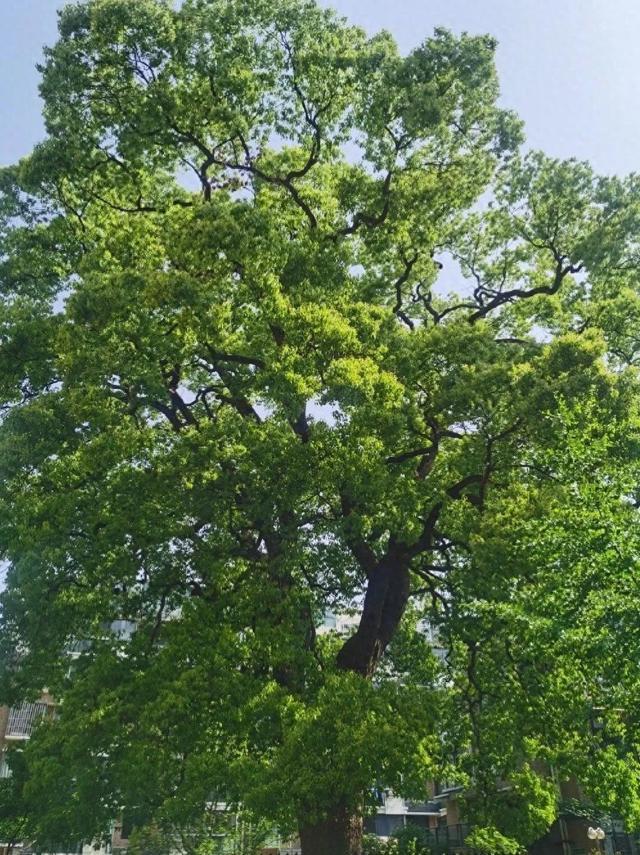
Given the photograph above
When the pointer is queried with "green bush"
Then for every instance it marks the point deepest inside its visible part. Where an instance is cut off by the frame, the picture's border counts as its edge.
(412, 840)
(490, 841)
(374, 845)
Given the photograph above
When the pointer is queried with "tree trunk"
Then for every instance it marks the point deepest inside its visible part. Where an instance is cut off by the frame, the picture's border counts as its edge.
(384, 604)
(386, 598)
(340, 833)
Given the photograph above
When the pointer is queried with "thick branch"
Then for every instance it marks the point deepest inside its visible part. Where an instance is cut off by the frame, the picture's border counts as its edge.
(402, 280)
(385, 600)
(362, 218)
(561, 271)
(360, 549)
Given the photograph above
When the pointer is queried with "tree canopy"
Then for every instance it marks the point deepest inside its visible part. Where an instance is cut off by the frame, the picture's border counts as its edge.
(293, 324)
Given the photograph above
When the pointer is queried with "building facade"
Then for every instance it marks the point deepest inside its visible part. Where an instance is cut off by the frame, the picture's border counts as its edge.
(17, 724)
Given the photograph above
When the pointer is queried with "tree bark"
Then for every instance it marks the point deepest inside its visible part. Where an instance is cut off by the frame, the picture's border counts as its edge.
(386, 598)
(384, 604)
(340, 833)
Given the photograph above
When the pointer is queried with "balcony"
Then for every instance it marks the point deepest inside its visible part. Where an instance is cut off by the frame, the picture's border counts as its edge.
(23, 718)
(5, 771)
(424, 808)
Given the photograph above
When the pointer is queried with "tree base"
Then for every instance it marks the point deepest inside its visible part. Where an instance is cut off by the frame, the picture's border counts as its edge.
(340, 833)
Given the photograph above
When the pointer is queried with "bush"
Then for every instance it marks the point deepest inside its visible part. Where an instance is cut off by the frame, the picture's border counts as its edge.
(374, 845)
(412, 840)
(490, 841)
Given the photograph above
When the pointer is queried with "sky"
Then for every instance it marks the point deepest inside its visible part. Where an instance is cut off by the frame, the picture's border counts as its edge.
(570, 68)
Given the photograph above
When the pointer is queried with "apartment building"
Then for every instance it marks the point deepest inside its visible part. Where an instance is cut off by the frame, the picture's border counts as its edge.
(17, 724)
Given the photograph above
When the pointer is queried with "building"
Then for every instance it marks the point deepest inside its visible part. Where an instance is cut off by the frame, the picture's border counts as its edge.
(17, 724)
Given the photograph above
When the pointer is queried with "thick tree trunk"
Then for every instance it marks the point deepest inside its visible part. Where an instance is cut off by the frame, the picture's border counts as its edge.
(386, 598)
(339, 834)
(385, 601)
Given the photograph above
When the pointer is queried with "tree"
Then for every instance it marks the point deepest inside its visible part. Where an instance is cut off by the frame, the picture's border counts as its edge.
(217, 832)
(231, 408)
(14, 819)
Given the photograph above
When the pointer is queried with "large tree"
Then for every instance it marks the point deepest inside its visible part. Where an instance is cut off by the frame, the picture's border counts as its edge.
(290, 325)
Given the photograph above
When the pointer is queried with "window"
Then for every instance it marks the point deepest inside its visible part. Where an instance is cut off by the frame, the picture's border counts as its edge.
(379, 796)
(5, 771)
(386, 825)
(23, 718)
(446, 787)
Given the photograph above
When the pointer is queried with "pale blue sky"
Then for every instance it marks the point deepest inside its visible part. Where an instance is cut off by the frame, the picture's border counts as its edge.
(571, 68)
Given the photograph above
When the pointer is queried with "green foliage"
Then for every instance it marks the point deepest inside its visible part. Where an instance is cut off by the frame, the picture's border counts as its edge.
(217, 832)
(490, 841)
(374, 845)
(411, 840)
(407, 840)
(523, 809)
(14, 821)
(229, 410)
